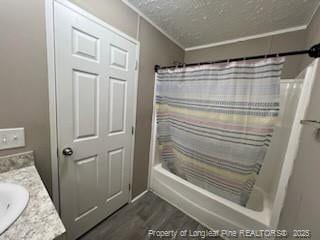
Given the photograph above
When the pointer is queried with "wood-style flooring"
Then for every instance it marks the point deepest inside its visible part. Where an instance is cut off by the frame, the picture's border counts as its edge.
(133, 222)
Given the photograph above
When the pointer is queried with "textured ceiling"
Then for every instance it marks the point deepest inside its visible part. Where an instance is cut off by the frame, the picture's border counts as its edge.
(197, 22)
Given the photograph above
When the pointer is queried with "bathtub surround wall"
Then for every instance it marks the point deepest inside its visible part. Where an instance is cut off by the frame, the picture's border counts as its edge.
(24, 98)
(300, 208)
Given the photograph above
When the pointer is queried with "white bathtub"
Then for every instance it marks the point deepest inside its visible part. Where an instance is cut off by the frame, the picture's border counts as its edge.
(209, 209)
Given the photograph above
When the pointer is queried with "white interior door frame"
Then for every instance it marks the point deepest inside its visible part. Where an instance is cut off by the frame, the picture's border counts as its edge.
(49, 11)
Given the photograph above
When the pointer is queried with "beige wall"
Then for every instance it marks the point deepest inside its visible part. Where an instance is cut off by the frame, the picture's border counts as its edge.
(273, 44)
(155, 49)
(113, 12)
(23, 78)
(23, 75)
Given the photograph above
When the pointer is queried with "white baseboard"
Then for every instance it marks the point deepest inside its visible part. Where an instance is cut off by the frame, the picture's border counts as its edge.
(139, 196)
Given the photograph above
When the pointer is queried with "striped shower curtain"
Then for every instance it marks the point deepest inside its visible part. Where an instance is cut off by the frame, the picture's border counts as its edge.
(215, 123)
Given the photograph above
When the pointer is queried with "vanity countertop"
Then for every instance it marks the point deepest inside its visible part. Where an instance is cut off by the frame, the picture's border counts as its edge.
(39, 220)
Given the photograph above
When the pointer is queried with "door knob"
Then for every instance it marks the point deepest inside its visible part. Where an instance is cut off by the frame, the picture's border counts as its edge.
(67, 151)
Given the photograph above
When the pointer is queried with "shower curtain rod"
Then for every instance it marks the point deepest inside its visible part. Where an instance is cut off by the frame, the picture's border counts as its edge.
(313, 52)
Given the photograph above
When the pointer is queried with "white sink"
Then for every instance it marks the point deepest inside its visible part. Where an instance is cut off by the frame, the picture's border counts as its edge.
(13, 200)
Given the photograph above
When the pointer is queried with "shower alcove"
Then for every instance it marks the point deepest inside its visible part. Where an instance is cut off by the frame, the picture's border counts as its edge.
(267, 198)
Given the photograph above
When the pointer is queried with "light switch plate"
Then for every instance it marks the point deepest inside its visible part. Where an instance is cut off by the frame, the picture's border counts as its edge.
(11, 138)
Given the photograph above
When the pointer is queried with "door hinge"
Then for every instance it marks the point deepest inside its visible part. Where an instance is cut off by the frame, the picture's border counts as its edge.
(57, 152)
(136, 67)
(132, 130)
(129, 187)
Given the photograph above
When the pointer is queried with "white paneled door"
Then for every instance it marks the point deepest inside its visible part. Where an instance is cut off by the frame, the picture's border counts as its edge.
(95, 77)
